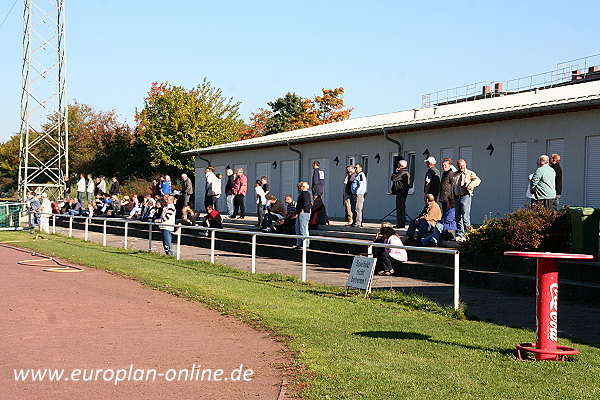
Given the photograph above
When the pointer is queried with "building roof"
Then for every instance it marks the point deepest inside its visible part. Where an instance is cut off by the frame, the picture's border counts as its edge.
(536, 102)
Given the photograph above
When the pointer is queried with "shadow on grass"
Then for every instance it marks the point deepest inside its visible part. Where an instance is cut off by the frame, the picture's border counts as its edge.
(399, 335)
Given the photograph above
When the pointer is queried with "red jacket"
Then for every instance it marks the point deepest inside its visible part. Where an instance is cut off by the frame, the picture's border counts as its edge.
(240, 185)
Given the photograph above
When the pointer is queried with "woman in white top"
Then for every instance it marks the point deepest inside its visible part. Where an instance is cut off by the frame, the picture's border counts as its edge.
(261, 200)
(389, 255)
(45, 211)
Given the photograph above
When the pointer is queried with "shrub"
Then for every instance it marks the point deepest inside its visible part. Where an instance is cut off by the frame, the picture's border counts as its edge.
(527, 229)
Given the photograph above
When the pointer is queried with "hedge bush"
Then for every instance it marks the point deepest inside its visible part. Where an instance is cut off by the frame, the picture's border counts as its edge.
(532, 228)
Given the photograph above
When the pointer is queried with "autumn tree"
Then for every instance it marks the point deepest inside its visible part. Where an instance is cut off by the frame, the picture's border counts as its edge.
(258, 123)
(293, 112)
(175, 119)
(287, 111)
(325, 109)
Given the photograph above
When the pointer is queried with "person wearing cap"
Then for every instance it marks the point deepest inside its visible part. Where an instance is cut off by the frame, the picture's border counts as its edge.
(463, 184)
(45, 211)
(432, 178)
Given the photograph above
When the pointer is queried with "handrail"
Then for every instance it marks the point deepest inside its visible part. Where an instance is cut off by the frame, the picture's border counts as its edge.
(179, 229)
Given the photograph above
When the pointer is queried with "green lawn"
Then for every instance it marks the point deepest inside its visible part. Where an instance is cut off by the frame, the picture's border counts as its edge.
(388, 347)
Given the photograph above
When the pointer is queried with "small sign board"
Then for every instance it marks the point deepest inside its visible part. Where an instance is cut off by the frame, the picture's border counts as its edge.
(361, 273)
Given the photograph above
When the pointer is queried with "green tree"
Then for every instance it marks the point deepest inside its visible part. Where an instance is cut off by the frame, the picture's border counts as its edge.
(287, 111)
(9, 158)
(175, 119)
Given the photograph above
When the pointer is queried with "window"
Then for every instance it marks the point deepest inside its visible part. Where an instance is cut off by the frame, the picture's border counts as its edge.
(555, 146)
(447, 153)
(364, 160)
(592, 172)
(519, 175)
(350, 160)
(466, 153)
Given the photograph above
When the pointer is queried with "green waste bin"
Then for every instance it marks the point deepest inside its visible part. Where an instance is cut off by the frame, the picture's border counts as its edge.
(584, 221)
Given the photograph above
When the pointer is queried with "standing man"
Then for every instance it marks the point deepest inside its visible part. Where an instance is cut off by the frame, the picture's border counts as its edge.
(90, 188)
(359, 189)
(33, 205)
(318, 179)
(45, 211)
(348, 195)
(303, 207)
(555, 164)
(115, 186)
(543, 183)
(66, 188)
(80, 188)
(432, 178)
(229, 192)
(463, 183)
(446, 183)
(240, 187)
(168, 217)
(187, 189)
(211, 188)
(400, 186)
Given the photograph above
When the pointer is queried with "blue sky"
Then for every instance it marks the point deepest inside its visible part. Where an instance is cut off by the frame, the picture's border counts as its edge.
(386, 54)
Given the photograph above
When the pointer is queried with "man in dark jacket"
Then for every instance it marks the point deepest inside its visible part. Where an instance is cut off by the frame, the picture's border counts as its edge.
(115, 186)
(432, 178)
(303, 208)
(275, 212)
(400, 186)
(318, 179)
(187, 189)
(446, 183)
(555, 164)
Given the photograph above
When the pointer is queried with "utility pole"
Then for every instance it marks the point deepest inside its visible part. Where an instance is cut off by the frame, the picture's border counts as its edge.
(44, 135)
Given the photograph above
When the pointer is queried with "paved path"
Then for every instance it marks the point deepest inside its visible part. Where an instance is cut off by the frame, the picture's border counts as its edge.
(92, 319)
(576, 320)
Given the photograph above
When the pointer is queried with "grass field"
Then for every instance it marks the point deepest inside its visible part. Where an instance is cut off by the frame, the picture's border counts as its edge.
(347, 347)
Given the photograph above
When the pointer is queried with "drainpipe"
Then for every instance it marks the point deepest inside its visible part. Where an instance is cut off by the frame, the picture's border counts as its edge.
(204, 159)
(389, 139)
(299, 160)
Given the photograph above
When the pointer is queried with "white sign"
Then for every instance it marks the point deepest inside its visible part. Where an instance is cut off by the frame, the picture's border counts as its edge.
(361, 273)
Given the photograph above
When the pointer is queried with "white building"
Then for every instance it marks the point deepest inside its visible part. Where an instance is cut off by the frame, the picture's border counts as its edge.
(520, 127)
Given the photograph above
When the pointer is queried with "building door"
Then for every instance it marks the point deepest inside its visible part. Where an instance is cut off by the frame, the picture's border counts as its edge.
(466, 153)
(592, 172)
(519, 174)
(555, 146)
(222, 200)
(446, 153)
(289, 179)
(263, 169)
(199, 188)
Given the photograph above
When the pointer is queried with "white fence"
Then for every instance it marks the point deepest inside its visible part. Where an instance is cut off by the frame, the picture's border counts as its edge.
(254, 234)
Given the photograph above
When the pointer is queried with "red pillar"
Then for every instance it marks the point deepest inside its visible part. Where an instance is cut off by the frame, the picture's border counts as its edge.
(547, 307)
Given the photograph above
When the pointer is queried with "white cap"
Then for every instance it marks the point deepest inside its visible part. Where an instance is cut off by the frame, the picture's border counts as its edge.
(44, 194)
(431, 160)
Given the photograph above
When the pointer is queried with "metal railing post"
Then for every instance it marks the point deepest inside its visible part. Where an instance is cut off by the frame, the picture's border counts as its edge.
(253, 254)
(304, 246)
(179, 243)
(71, 226)
(53, 223)
(150, 238)
(87, 223)
(456, 279)
(126, 235)
(104, 233)
(212, 247)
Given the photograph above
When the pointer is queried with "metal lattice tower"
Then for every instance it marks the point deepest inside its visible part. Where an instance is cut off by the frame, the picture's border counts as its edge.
(44, 154)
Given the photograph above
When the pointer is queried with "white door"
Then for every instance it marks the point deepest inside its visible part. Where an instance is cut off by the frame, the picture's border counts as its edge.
(466, 153)
(592, 172)
(446, 153)
(519, 174)
(222, 201)
(289, 179)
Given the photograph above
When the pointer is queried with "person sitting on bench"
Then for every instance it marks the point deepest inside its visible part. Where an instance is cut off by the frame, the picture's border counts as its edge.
(444, 228)
(386, 257)
(425, 222)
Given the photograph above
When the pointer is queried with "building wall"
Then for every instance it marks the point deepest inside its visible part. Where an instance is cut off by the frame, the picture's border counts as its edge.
(499, 192)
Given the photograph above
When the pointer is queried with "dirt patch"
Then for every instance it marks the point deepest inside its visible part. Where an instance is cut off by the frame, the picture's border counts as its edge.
(92, 320)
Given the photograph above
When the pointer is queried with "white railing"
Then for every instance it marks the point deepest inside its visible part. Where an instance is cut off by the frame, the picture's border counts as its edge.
(179, 231)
